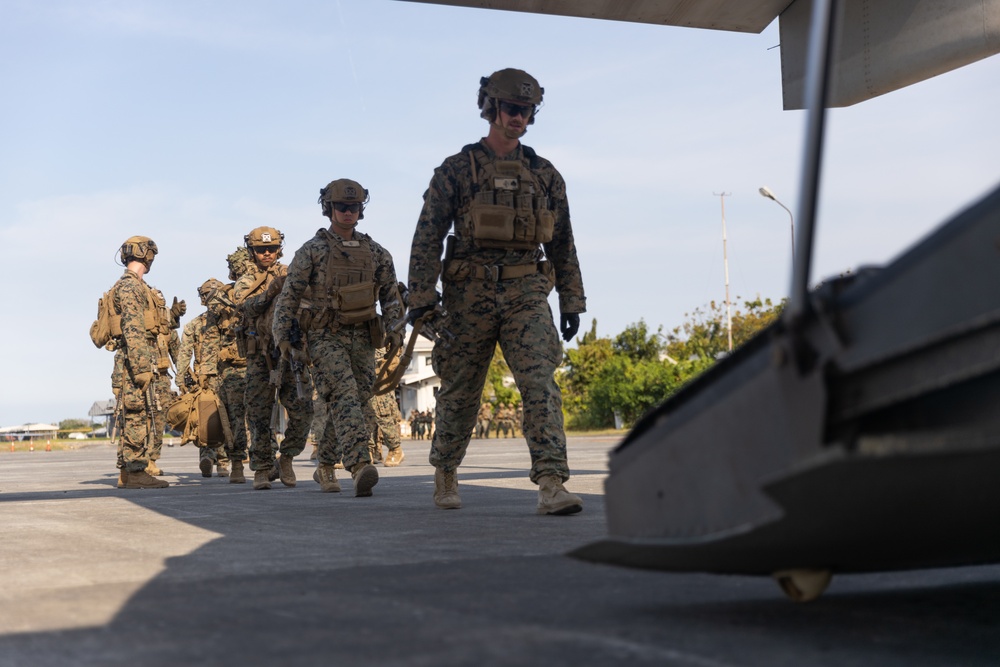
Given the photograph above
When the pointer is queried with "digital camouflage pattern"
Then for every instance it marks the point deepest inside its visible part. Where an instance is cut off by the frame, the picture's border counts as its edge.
(136, 353)
(204, 338)
(514, 313)
(386, 411)
(343, 356)
(252, 296)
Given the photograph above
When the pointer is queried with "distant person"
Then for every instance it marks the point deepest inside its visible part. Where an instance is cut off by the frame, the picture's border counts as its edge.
(135, 333)
(334, 283)
(483, 420)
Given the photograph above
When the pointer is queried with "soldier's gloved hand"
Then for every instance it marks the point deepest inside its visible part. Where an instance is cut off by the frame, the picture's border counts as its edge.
(569, 324)
(178, 308)
(143, 379)
(394, 339)
(416, 313)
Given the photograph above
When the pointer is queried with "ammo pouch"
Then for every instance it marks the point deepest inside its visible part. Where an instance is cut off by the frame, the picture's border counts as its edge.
(355, 303)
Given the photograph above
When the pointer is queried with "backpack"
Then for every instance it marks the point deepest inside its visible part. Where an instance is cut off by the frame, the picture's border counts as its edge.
(108, 324)
(200, 417)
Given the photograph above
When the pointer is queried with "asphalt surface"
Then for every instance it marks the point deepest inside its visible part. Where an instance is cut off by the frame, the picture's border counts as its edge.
(209, 573)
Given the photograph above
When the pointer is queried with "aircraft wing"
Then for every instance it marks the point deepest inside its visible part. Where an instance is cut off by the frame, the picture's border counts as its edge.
(884, 44)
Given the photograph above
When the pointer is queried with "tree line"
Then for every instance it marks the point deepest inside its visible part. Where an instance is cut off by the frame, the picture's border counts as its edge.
(627, 374)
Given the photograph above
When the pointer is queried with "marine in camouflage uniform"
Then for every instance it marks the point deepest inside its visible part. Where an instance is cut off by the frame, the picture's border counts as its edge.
(210, 339)
(137, 362)
(254, 294)
(387, 419)
(334, 282)
(512, 243)
(483, 420)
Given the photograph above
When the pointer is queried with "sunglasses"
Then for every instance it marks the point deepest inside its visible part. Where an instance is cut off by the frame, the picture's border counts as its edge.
(342, 207)
(512, 109)
(262, 249)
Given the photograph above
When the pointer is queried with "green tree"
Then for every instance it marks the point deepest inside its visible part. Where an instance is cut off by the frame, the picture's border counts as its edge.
(580, 369)
(704, 333)
(496, 389)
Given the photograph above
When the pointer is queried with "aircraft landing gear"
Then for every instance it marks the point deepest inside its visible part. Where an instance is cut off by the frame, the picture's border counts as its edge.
(803, 585)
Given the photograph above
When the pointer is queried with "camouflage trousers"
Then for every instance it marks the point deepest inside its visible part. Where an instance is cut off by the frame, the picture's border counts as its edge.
(231, 390)
(387, 420)
(164, 397)
(344, 371)
(259, 401)
(516, 314)
(134, 424)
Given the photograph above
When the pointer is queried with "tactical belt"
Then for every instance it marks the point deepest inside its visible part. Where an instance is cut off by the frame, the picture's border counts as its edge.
(496, 272)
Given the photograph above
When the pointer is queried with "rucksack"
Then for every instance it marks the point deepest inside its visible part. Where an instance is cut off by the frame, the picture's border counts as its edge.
(108, 324)
(200, 417)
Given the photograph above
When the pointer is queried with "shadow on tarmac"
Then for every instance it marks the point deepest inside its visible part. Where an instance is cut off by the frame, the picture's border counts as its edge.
(299, 577)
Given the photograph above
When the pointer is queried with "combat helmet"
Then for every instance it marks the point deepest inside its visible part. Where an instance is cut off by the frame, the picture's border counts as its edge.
(139, 249)
(509, 85)
(206, 289)
(343, 190)
(264, 236)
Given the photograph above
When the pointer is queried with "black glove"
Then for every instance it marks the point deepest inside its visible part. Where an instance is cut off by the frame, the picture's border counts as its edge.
(415, 314)
(178, 309)
(569, 324)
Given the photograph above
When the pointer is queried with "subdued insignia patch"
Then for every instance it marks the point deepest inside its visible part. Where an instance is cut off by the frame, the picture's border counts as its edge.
(526, 88)
(350, 191)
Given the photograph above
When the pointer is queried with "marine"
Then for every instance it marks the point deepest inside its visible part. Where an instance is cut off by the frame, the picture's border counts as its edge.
(512, 242)
(269, 378)
(135, 327)
(334, 283)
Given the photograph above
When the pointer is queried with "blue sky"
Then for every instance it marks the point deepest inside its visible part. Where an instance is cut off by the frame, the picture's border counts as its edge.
(194, 122)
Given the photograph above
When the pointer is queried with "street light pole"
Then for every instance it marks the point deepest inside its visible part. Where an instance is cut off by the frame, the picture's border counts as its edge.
(725, 264)
(766, 192)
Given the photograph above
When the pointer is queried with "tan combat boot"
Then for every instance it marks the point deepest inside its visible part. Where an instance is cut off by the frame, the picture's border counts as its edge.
(326, 477)
(285, 471)
(222, 469)
(122, 478)
(153, 469)
(143, 480)
(394, 457)
(365, 477)
(261, 480)
(274, 473)
(376, 453)
(446, 490)
(205, 465)
(236, 476)
(553, 498)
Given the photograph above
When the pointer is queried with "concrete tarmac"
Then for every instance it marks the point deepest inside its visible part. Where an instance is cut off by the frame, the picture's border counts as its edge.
(210, 573)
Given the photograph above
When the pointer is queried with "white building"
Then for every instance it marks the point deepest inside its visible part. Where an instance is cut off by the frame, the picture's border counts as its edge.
(419, 385)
